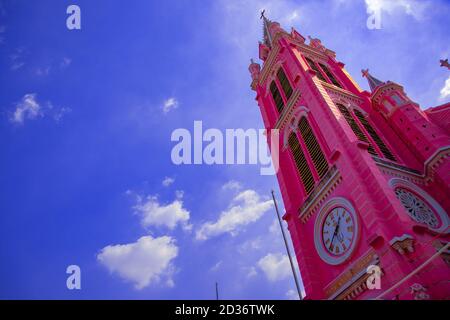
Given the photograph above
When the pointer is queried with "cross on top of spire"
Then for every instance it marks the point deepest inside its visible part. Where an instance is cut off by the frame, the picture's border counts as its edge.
(365, 73)
(373, 82)
(262, 14)
(445, 63)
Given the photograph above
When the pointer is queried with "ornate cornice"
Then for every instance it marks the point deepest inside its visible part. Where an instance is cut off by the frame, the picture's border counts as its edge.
(403, 244)
(338, 93)
(432, 163)
(268, 64)
(435, 161)
(318, 55)
(352, 281)
(288, 110)
(380, 90)
(320, 192)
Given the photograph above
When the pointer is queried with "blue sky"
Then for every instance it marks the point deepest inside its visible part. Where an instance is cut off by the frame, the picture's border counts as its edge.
(86, 117)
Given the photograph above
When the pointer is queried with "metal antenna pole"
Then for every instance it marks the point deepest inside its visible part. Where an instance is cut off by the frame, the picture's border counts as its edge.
(217, 291)
(287, 247)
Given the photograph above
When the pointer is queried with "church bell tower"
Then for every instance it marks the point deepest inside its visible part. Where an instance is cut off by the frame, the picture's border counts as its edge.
(364, 176)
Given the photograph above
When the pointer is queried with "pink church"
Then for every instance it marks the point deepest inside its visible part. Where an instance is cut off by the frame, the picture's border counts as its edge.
(365, 176)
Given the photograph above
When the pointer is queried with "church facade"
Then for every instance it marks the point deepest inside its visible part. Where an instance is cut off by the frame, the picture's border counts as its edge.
(364, 176)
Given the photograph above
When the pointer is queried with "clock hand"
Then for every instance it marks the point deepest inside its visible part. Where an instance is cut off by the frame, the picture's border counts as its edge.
(335, 232)
(338, 231)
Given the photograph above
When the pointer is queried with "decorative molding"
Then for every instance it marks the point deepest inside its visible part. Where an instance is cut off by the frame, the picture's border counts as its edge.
(304, 48)
(320, 192)
(352, 281)
(293, 118)
(268, 64)
(340, 95)
(288, 110)
(271, 75)
(419, 292)
(403, 244)
(402, 175)
(434, 161)
(381, 90)
(397, 168)
(430, 166)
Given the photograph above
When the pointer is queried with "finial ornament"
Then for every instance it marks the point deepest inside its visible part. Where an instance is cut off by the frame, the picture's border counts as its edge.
(444, 63)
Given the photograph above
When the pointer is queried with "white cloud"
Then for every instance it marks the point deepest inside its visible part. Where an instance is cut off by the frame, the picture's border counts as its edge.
(445, 91)
(245, 208)
(144, 262)
(170, 215)
(413, 8)
(275, 266)
(30, 108)
(168, 181)
(170, 104)
(232, 185)
(27, 108)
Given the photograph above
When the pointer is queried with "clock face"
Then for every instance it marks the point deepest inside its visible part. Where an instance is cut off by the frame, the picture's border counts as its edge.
(338, 231)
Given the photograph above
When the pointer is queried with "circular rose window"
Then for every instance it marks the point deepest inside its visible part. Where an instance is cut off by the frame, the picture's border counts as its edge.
(417, 208)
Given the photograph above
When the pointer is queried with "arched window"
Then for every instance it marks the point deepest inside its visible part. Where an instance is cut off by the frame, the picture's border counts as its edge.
(302, 155)
(304, 171)
(285, 85)
(381, 145)
(313, 66)
(356, 129)
(314, 150)
(276, 96)
(330, 75)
